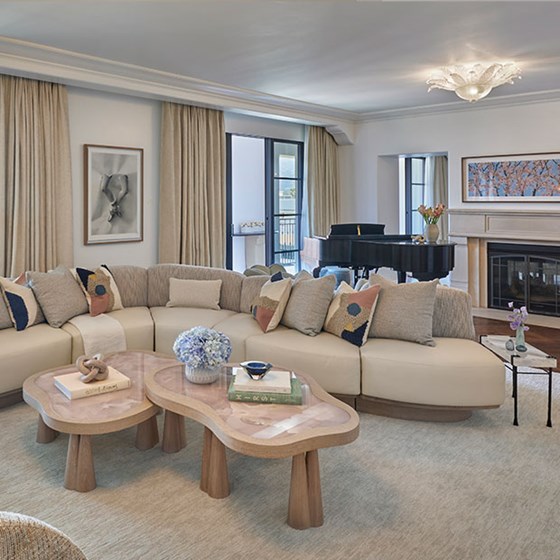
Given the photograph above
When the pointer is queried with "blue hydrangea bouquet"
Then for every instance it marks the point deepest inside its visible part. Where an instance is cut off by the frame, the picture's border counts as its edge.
(202, 350)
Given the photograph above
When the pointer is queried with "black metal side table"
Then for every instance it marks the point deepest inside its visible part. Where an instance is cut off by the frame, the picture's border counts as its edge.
(532, 362)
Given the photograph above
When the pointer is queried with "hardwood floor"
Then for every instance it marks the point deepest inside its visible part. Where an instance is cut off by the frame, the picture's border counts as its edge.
(547, 339)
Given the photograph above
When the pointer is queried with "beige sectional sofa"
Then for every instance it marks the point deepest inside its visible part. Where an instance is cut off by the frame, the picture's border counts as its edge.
(386, 376)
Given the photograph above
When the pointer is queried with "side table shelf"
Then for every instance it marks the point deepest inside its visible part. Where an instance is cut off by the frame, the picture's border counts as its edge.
(532, 362)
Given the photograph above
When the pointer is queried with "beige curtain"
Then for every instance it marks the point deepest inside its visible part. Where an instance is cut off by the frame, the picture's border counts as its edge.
(35, 176)
(192, 186)
(323, 185)
(436, 188)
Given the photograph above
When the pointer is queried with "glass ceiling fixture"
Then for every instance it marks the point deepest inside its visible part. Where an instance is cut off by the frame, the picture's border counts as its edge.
(473, 82)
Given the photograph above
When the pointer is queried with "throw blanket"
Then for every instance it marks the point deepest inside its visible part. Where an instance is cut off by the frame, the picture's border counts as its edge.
(101, 334)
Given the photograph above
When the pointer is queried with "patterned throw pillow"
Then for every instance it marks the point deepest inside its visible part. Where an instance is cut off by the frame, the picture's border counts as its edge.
(21, 302)
(269, 306)
(100, 289)
(351, 312)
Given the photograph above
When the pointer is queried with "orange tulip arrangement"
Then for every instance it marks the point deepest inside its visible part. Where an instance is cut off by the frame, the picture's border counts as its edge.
(431, 215)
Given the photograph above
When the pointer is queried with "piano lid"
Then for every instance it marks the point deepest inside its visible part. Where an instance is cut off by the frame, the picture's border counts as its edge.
(356, 229)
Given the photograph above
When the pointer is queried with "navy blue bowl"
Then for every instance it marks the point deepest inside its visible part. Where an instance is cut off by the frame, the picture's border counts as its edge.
(255, 369)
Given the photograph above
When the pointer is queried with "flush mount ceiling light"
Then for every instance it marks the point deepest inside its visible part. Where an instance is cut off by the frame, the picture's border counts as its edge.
(474, 82)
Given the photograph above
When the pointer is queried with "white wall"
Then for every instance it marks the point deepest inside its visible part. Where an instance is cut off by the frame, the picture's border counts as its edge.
(115, 120)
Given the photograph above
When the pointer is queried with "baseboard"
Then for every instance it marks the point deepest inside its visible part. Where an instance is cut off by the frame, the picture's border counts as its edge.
(410, 411)
(350, 400)
(11, 397)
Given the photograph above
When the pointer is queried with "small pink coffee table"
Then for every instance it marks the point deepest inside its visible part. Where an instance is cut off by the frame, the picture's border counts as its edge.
(100, 414)
(260, 430)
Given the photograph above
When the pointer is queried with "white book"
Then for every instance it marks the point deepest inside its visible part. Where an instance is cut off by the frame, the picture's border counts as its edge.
(73, 388)
(275, 381)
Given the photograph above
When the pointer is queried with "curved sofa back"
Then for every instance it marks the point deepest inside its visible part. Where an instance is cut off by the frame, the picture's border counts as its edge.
(159, 275)
(132, 282)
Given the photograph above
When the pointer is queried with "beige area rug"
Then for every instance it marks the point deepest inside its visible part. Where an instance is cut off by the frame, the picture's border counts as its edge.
(481, 489)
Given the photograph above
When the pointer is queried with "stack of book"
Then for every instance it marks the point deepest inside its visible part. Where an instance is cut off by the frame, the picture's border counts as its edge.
(276, 387)
(72, 387)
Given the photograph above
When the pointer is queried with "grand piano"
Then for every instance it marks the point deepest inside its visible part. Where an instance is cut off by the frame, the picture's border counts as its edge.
(363, 247)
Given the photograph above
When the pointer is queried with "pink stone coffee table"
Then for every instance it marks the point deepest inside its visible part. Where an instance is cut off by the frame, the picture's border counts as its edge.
(260, 430)
(100, 414)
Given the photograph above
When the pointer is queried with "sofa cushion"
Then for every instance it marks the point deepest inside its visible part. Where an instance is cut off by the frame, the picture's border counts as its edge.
(21, 303)
(194, 293)
(138, 329)
(170, 321)
(404, 311)
(159, 275)
(58, 294)
(132, 282)
(309, 302)
(250, 291)
(100, 289)
(456, 372)
(453, 316)
(238, 328)
(350, 313)
(271, 303)
(331, 361)
(27, 352)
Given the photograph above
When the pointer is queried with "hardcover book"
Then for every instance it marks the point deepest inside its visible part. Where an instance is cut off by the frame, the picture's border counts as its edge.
(71, 386)
(294, 397)
(275, 381)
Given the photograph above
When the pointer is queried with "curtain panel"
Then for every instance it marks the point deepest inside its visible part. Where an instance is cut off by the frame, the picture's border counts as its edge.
(436, 188)
(35, 176)
(192, 186)
(323, 185)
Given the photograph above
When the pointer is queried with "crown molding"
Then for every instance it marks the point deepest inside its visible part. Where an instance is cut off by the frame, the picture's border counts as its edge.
(461, 106)
(25, 59)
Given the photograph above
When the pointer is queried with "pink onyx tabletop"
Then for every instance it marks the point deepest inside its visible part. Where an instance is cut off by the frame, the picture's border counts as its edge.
(257, 420)
(103, 407)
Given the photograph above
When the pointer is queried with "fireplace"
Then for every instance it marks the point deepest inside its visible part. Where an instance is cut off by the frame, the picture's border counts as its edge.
(525, 274)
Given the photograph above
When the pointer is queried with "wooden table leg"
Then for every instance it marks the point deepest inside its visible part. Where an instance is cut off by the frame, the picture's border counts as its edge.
(174, 436)
(80, 473)
(45, 434)
(216, 479)
(206, 450)
(147, 434)
(298, 506)
(314, 488)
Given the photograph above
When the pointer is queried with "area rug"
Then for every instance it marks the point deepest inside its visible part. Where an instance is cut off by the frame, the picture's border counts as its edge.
(479, 489)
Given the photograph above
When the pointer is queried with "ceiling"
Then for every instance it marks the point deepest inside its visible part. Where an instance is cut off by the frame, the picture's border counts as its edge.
(360, 56)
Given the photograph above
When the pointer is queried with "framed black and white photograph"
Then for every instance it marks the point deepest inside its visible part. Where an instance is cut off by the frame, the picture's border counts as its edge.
(113, 194)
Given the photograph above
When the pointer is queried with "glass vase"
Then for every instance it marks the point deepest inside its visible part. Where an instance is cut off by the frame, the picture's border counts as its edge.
(520, 340)
(202, 375)
(431, 233)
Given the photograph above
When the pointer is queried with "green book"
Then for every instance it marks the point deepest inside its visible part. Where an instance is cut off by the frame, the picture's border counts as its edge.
(295, 397)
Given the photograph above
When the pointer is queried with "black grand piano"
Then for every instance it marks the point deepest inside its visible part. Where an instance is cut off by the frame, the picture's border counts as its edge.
(363, 247)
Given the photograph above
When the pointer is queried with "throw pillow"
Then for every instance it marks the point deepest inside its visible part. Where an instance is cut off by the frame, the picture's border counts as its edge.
(453, 316)
(350, 313)
(21, 303)
(308, 304)
(100, 289)
(59, 295)
(5, 319)
(269, 307)
(204, 294)
(404, 311)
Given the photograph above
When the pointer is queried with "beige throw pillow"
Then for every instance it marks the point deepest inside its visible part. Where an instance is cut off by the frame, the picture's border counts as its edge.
(269, 307)
(309, 302)
(204, 294)
(404, 311)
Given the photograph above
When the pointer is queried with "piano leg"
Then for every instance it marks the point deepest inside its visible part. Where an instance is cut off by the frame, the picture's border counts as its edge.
(401, 276)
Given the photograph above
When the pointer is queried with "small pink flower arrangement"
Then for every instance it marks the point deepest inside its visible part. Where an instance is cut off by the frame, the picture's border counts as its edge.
(431, 215)
(517, 317)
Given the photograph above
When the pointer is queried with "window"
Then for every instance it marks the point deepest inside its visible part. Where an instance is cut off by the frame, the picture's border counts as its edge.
(264, 195)
(415, 193)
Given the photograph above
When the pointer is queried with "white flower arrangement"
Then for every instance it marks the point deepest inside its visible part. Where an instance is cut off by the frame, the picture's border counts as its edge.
(201, 347)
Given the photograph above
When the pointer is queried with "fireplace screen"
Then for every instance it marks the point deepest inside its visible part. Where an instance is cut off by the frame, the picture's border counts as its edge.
(525, 274)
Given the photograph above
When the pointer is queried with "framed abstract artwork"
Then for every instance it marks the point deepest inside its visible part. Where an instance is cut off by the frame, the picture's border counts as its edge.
(113, 194)
(512, 178)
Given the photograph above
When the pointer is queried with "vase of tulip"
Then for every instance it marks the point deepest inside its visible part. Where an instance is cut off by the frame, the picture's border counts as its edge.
(431, 218)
